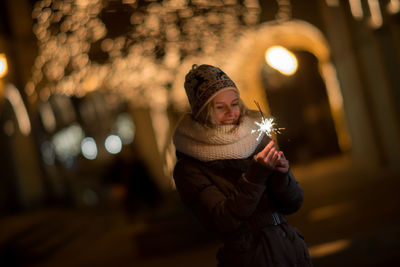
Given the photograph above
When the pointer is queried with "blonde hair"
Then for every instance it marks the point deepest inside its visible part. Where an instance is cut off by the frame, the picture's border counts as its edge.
(206, 116)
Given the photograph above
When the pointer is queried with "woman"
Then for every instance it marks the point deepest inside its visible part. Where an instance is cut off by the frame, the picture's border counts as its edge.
(234, 183)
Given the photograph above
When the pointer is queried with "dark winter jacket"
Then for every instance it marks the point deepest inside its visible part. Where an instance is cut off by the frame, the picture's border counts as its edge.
(246, 203)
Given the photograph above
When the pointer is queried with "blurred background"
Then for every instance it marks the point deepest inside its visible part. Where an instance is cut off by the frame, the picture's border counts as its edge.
(91, 90)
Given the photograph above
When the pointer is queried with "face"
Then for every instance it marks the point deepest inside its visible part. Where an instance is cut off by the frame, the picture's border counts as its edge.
(226, 107)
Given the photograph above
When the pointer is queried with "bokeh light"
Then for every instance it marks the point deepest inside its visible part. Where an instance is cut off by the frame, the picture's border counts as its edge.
(3, 65)
(89, 148)
(67, 142)
(281, 59)
(113, 144)
(14, 97)
(393, 6)
(160, 37)
(125, 128)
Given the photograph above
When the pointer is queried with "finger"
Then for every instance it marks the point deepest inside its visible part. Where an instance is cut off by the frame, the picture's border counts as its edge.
(267, 149)
(281, 156)
(259, 159)
(276, 158)
(268, 158)
(284, 163)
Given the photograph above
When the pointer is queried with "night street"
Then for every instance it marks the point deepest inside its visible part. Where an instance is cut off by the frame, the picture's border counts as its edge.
(114, 113)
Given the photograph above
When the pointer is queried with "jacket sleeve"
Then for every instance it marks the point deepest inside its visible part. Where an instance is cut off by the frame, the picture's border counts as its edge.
(216, 210)
(285, 192)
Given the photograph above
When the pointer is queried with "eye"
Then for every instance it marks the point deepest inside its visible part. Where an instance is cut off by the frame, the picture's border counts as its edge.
(235, 104)
(219, 107)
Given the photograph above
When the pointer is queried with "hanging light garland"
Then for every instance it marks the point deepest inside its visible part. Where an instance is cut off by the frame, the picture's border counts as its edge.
(284, 12)
(79, 53)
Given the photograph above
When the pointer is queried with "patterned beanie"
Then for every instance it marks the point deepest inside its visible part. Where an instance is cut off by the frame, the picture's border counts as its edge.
(202, 83)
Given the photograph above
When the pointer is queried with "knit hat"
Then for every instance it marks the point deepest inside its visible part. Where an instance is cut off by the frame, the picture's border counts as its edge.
(202, 83)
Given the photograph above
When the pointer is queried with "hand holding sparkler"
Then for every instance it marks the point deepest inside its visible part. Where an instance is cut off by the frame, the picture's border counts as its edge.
(270, 156)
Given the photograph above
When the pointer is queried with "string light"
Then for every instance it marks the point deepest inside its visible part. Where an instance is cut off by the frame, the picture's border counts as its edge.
(376, 16)
(284, 12)
(332, 3)
(356, 9)
(393, 6)
(161, 36)
(113, 144)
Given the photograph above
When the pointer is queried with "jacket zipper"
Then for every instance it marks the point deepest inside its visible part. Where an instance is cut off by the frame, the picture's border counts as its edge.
(275, 216)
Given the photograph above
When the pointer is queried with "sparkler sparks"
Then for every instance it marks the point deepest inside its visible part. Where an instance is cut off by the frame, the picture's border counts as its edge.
(266, 126)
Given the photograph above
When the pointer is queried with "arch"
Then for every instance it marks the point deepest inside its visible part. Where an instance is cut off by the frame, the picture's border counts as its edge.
(294, 35)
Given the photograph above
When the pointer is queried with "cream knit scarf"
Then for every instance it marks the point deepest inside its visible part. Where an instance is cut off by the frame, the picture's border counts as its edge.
(222, 142)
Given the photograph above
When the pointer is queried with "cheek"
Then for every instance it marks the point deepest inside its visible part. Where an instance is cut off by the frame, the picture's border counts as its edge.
(219, 115)
(237, 112)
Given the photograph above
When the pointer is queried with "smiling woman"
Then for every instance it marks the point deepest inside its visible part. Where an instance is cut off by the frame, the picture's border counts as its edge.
(236, 183)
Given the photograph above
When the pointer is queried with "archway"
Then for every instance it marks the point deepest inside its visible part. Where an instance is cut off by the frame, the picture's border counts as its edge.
(297, 36)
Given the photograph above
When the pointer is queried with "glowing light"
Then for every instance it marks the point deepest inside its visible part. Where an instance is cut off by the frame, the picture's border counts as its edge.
(332, 3)
(330, 211)
(125, 128)
(329, 248)
(281, 59)
(47, 116)
(89, 148)
(356, 9)
(336, 100)
(3, 65)
(113, 144)
(284, 12)
(13, 95)
(266, 126)
(393, 6)
(376, 15)
(67, 142)
(150, 52)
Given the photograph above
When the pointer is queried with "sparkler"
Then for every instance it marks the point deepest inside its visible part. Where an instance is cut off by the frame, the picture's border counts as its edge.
(267, 125)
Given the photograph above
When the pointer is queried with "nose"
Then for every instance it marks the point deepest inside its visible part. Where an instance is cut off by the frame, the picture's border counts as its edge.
(229, 111)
